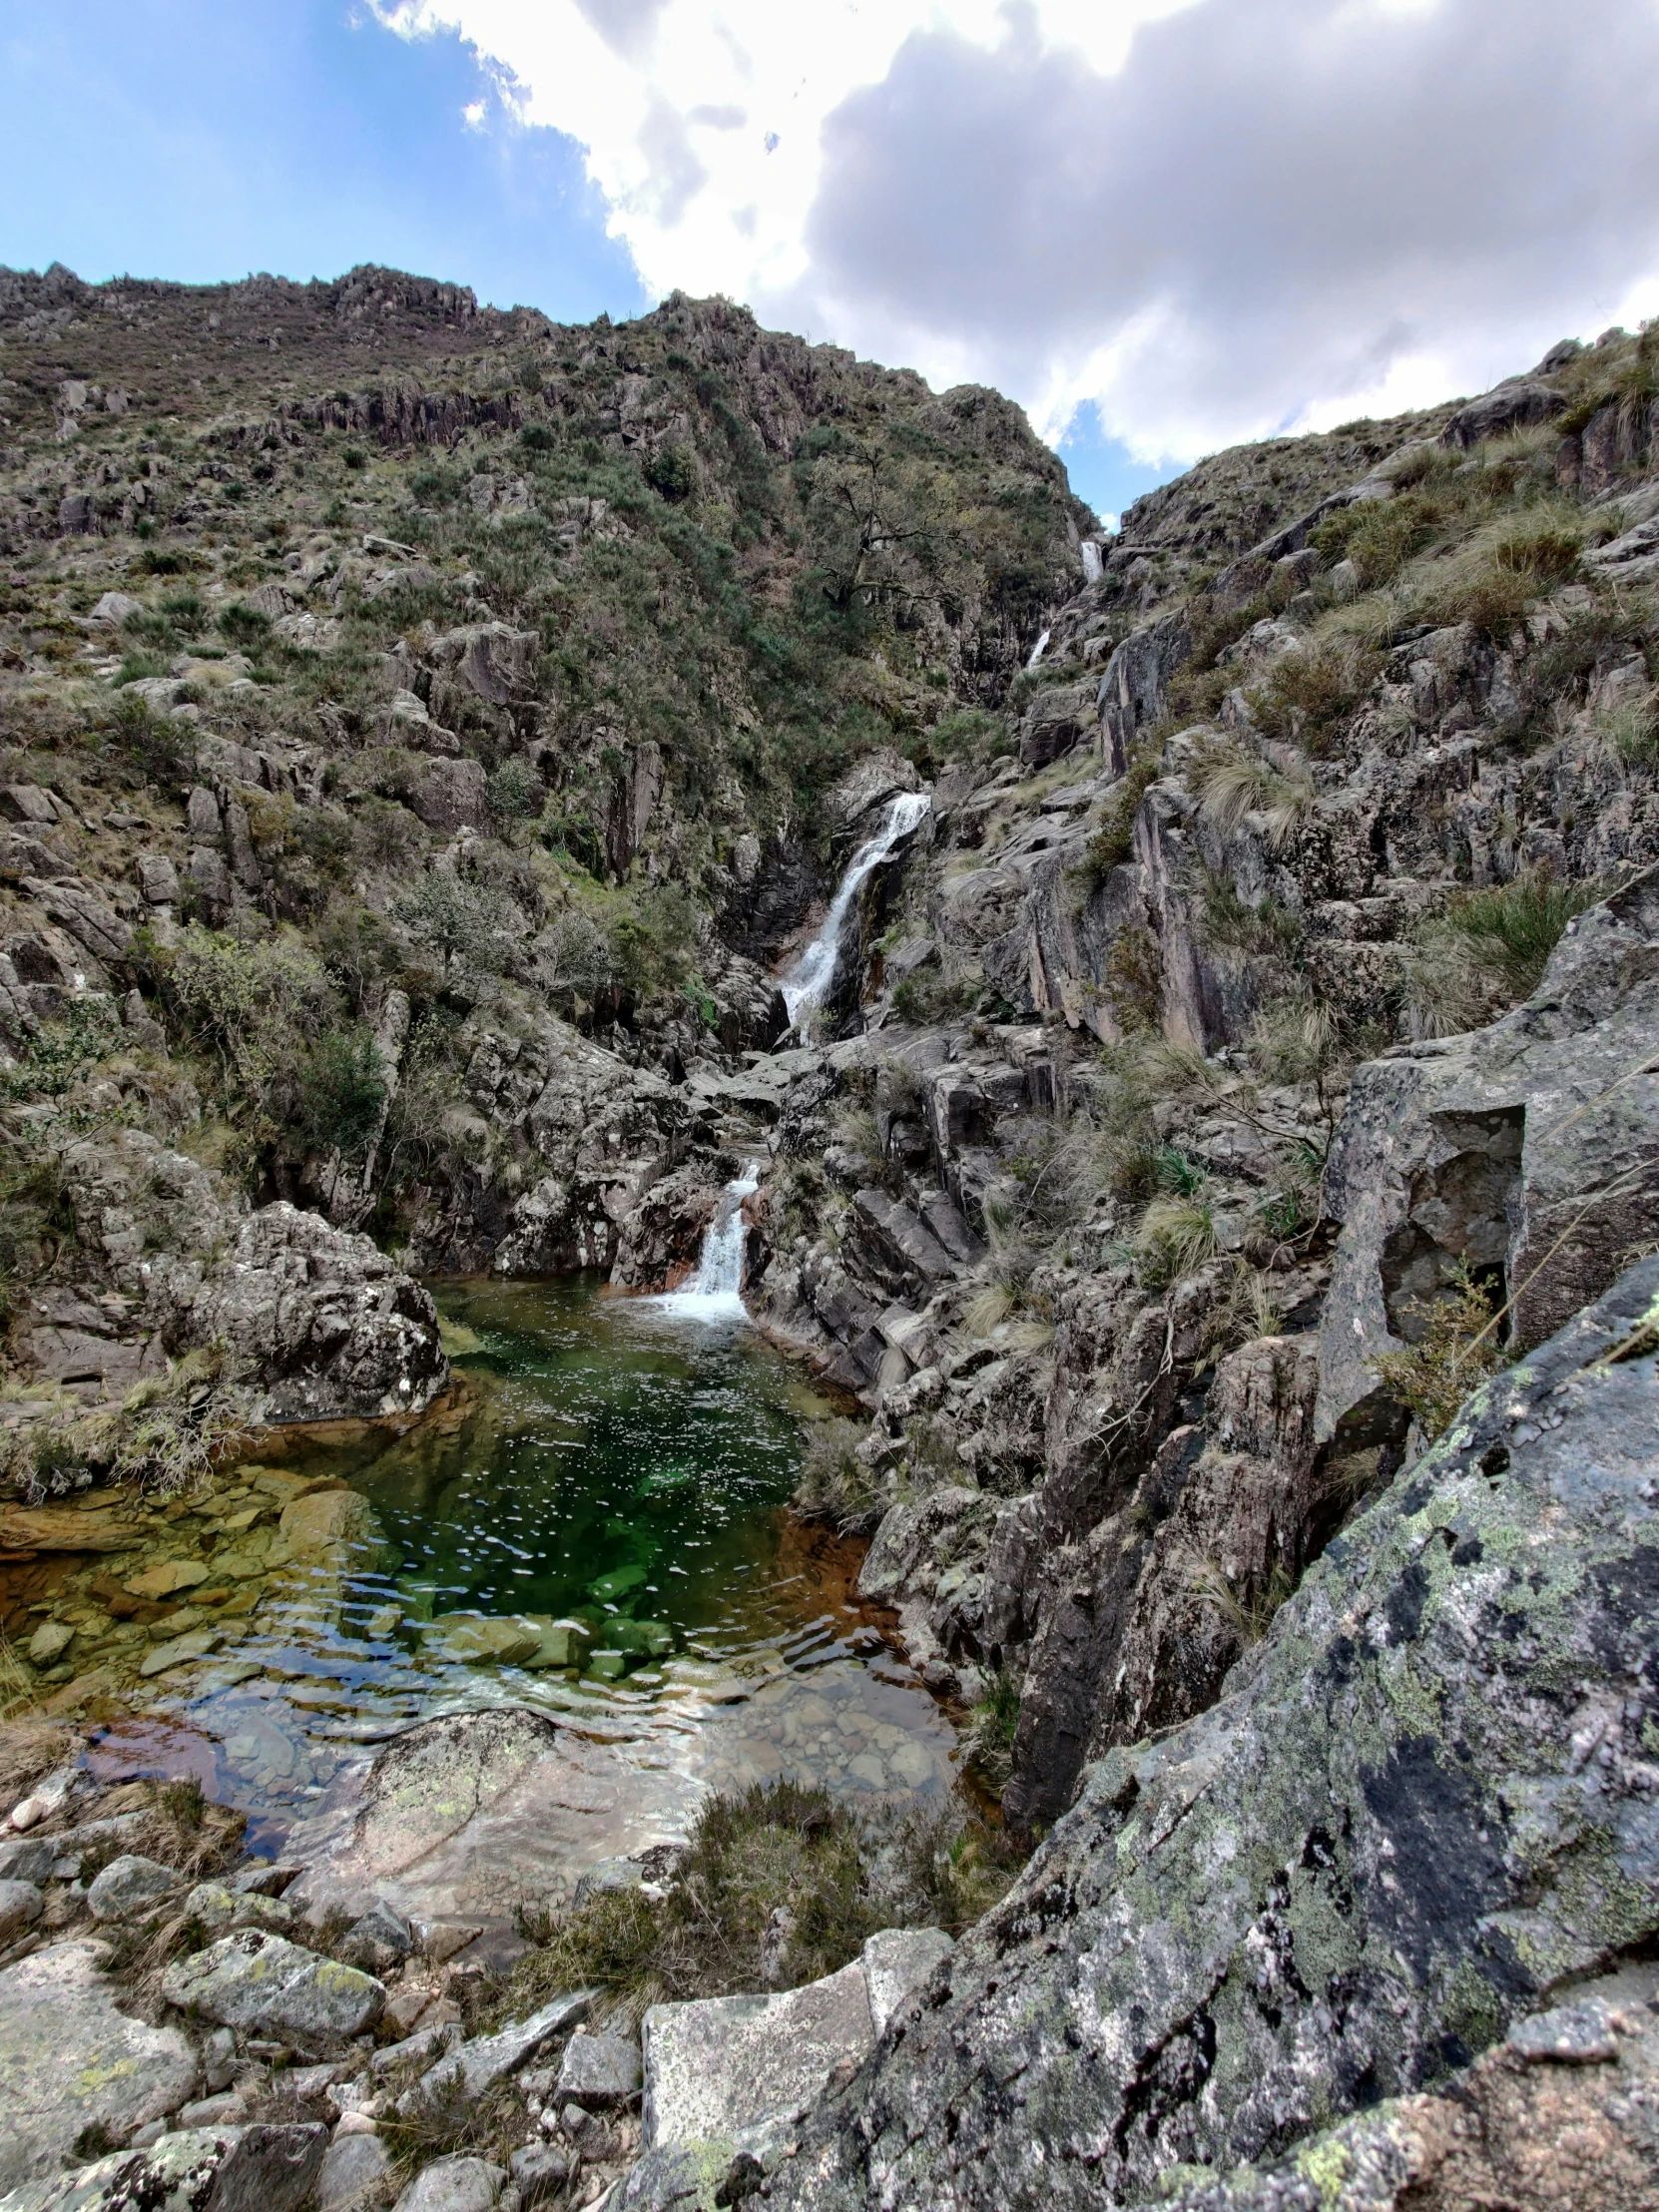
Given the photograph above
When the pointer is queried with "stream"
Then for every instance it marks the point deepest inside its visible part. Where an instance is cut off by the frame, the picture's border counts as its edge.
(599, 1532)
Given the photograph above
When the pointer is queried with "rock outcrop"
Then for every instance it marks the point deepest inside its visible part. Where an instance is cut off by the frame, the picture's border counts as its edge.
(1422, 1808)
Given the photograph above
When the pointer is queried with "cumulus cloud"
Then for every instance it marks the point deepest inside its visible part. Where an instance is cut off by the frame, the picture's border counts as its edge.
(1211, 218)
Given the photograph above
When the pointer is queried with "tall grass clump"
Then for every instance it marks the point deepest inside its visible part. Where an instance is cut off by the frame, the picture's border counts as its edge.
(1488, 951)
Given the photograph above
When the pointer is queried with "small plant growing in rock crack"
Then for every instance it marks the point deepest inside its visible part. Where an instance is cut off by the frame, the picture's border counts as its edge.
(1456, 1351)
(834, 1485)
(1248, 1607)
(995, 1721)
(1175, 1237)
(1489, 950)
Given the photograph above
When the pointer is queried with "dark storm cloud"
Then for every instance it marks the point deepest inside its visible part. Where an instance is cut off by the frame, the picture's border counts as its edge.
(1274, 201)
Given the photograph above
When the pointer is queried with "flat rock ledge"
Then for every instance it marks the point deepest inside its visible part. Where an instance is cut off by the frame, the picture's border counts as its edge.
(728, 2079)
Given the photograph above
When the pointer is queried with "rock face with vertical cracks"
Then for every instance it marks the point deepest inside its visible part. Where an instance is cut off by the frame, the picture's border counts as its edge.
(1427, 1806)
(1525, 1149)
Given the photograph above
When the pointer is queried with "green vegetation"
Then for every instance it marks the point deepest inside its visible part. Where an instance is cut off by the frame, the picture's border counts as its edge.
(780, 1886)
(1458, 1348)
(835, 1485)
(1489, 950)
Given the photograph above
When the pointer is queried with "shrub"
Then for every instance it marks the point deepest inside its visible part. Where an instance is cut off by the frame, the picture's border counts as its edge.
(1113, 842)
(339, 1092)
(245, 627)
(1488, 951)
(673, 473)
(244, 1001)
(1309, 692)
(1457, 1350)
(515, 792)
(779, 1884)
(464, 923)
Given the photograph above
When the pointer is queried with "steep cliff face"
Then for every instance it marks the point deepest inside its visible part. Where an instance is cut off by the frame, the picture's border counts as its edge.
(1149, 1267)
(1420, 1810)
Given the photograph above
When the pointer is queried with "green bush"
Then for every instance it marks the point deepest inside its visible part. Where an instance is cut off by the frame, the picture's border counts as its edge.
(780, 1886)
(339, 1091)
(673, 473)
(245, 627)
(515, 792)
(1114, 841)
(244, 1001)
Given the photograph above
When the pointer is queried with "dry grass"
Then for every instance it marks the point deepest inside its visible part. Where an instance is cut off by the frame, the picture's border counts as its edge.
(28, 1747)
(835, 1485)
(1456, 1351)
(1233, 786)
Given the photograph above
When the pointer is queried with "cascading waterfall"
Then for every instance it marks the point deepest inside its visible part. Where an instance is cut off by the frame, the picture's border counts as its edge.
(1038, 650)
(715, 1292)
(807, 987)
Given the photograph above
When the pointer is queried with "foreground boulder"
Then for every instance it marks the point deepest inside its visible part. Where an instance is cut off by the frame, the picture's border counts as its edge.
(1425, 1807)
(728, 2079)
(1563, 2113)
(57, 2005)
(220, 2169)
(258, 1981)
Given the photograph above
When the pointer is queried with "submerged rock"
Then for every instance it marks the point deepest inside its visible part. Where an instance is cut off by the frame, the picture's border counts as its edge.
(1424, 1803)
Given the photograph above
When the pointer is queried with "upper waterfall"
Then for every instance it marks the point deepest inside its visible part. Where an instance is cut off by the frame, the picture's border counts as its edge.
(816, 970)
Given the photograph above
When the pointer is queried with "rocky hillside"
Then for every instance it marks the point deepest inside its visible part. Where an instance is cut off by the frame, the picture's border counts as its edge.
(1219, 1172)
(417, 722)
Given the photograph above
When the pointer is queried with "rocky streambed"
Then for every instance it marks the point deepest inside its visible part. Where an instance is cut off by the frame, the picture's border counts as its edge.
(490, 1664)
(594, 1529)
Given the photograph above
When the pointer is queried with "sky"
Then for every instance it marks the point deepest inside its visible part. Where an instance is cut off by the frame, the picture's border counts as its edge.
(1163, 226)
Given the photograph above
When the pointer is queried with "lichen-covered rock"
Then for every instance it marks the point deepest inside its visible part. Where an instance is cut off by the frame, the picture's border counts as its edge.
(231, 2169)
(130, 1886)
(70, 2061)
(1425, 1805)
(259, 1981)
(1563, 2114)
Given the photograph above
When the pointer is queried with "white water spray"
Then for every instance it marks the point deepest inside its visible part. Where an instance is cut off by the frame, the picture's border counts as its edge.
(715, 1292)
(816, 970)
(1039, 649)
(1091, 561)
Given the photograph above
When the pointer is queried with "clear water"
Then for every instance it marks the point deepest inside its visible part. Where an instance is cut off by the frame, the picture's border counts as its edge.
(617, 1468)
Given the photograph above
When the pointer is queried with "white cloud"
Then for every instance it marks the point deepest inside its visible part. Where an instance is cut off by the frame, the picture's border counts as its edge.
(1213, 218)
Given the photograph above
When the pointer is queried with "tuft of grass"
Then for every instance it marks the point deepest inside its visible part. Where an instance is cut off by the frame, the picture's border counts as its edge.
(1175, 1237)
(1308, 692)
(1457, 1350)
(1488, 951)
(1233, 786)
(1494, 578)
(1249, 1607)
(996, 1722)
(835, 1485)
